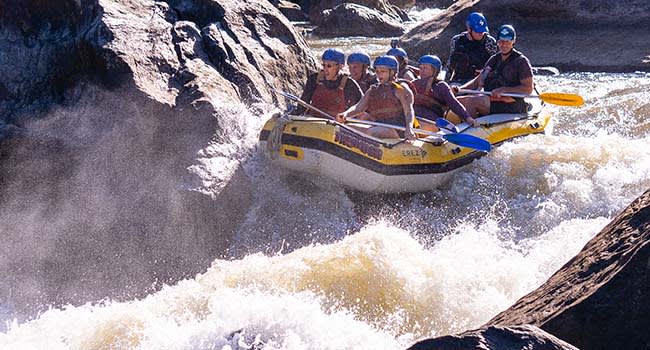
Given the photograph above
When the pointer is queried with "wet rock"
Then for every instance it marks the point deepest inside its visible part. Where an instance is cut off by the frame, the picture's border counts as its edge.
(104, 106)
(524, 337)
(571, 35)
(403, 4)
(545, 71)
(292, 11)
(357, 20)
(441, 4)
(317, 9)
(600, 299)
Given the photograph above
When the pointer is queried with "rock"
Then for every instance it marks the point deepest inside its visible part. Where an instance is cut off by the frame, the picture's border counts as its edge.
(600, 299)
(570, 35)
(292, 11)
(104, 106)
(357, 20)
(441, 4)
(403, 4)
(317, 9)
(524, 337)
(546, 71)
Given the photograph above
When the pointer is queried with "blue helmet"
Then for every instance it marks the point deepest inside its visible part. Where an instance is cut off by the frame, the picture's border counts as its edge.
(506, 32)
(386, 61)
(432, 60)
(397, 52)
(477, 22)
(334, 55)
(359, 57)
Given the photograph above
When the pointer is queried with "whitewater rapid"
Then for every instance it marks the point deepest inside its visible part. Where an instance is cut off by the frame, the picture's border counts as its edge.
(314, 274)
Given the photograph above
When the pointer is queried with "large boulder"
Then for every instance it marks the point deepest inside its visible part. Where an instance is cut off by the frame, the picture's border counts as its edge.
(317, 9)
(524, 337)
(105, 108)
(601, 298)
(571, 35)
(357, 20)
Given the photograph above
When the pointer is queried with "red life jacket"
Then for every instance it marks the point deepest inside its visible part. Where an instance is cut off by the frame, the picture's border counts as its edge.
(408, 68)
(366, 81)
(382, 102)
(423, 96)
(328, 100)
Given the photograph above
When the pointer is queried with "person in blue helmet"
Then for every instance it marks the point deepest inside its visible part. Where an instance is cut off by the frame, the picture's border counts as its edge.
(358, 64)
(509, 71)
(434, 98)
(470, 50)
(389, 102)
(405, 71)
(329, 90)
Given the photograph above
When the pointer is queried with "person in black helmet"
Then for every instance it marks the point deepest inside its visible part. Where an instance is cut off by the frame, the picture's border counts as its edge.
(509, 71)
(470, 50)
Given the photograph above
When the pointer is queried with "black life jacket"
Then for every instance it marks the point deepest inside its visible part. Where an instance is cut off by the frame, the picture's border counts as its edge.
(468, 57)
(495, 78)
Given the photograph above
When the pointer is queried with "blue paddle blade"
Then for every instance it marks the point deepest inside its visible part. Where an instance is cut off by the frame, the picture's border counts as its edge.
(443, 123)
(469, 141)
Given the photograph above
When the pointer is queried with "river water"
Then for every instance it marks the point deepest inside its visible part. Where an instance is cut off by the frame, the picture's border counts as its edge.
(322, 269)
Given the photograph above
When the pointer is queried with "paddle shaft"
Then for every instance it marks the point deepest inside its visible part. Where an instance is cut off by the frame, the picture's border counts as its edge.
(509, 94)
(560, 99)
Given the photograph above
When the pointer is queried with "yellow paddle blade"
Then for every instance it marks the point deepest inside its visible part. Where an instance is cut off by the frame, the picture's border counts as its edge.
(561, 99)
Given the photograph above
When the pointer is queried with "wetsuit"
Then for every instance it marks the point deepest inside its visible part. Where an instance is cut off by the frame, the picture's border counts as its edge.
(467, 56)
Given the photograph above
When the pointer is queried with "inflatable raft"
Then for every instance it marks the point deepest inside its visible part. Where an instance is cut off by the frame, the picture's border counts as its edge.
(343, 153)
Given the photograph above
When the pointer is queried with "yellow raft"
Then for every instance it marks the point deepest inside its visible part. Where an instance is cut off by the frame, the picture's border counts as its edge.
(356, 160)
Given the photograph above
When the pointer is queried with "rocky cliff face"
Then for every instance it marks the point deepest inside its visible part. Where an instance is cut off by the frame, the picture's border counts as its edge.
(601, 298)
(571, 35)
(105, 105)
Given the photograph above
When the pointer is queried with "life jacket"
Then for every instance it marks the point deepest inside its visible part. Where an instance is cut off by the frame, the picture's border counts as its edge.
(329, 100)
(468, 57)
(367, 80)
(382, 102)
(423, 96)
(495, 78)
(408, 68)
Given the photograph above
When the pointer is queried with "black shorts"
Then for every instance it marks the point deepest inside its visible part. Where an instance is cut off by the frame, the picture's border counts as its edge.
(519, 106)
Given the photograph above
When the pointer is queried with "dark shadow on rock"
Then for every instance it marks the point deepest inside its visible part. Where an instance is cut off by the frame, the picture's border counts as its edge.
(600, 299)
(524, 337)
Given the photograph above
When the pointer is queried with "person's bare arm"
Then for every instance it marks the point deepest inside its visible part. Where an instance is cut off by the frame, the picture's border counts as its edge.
(406, 98)
(472, 84)
(358, 108)
(526, 88)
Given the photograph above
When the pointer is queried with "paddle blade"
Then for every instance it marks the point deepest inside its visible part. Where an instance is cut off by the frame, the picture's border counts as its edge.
(446, 124)
(470, 141)
(561, 99)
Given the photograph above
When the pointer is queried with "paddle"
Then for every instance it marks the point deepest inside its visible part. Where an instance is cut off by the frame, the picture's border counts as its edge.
(463, 140)
(556, 98)
(443, 123)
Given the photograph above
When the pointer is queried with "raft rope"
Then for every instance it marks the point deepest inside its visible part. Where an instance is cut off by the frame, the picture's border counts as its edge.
(274, 141)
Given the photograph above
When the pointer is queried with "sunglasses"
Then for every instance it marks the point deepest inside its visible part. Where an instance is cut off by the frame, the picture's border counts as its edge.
(330, 65)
